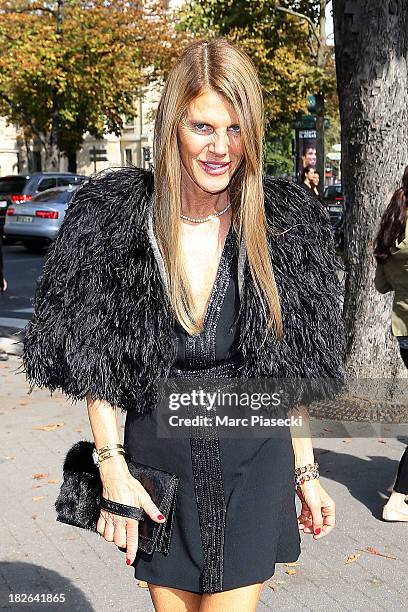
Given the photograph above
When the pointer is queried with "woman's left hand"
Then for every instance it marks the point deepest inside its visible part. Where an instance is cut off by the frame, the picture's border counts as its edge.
(318, 513)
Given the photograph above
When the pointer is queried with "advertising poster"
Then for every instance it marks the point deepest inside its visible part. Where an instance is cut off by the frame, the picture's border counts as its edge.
(305, 149)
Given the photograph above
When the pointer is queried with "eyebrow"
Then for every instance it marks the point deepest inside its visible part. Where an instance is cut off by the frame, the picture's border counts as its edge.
(194, 120)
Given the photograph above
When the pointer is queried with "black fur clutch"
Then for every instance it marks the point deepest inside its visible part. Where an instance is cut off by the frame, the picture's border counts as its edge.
(79, 499)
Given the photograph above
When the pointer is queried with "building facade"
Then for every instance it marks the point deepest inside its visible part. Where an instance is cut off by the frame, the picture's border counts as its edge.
(132, 147)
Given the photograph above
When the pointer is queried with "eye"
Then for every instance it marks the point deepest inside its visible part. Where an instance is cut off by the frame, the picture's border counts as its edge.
(202, 128)
(235, 128)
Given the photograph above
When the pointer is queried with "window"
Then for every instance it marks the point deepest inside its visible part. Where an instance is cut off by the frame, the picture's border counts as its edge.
(128, 157)
(12, 185)
(63, 181)
(56, 196)
(47, 183)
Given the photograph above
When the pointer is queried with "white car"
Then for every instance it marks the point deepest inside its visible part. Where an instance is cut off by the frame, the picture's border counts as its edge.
(36, 222)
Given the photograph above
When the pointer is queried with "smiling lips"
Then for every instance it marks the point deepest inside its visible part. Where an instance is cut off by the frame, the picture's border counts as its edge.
(215, 168)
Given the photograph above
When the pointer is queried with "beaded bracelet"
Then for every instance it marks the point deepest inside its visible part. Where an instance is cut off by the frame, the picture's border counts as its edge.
(305, 473)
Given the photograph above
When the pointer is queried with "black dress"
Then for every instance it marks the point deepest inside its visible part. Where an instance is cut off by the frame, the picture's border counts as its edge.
(235, 509)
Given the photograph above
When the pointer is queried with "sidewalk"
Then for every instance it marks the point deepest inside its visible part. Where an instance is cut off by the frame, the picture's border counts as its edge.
(39, 555)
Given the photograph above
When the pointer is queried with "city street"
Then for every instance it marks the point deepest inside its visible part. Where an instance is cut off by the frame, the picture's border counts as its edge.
(22, 269)
(219, 146)
(361, 565)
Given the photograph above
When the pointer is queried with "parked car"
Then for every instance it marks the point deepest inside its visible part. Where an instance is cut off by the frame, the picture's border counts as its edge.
(19, 188)
(334, 200)
(36, 222)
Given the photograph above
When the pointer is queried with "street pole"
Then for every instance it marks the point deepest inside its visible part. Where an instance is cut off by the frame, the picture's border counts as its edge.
(320, 101)
(319, 35)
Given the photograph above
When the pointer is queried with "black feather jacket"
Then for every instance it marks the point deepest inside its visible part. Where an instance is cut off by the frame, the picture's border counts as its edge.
(102, 321)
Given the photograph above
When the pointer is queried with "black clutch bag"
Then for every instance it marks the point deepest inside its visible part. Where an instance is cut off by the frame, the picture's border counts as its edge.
(80, 498)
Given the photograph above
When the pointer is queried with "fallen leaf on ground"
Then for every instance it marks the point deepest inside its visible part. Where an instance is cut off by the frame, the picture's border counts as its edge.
(54, 481)
(352, 558)
(382, 441)
(50, 427)
(272, 585)
(11, 457)
(78, 429)
(39, 475)
(292, 564)
(291, 572)
(35, 486)
(143, 584)
(38, 498)
(374, 551)
(34, 516)
(23, 403)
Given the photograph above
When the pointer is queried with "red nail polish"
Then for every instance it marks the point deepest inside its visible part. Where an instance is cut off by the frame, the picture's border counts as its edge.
(160, 517)
(317, 531)
(127, 561)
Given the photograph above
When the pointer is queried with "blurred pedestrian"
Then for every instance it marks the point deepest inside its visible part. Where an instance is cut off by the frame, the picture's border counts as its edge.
(391, 253)
(315, 181)
(306, 178)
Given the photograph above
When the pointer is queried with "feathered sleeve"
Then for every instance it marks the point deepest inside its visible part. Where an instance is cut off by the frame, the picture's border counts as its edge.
(70, 343)
(307, 275)
(57, 345)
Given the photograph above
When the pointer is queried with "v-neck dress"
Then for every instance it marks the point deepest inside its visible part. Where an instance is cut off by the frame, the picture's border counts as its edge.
(235, 513)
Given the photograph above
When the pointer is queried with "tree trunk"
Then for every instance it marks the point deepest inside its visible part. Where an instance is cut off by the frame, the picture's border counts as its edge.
(51, 156)
(371, 60)
(320, 152)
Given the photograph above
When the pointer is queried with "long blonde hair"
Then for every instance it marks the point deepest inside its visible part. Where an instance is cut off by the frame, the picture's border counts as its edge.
(221, 66)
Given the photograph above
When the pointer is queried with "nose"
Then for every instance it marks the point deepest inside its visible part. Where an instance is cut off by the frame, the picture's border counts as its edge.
(220, 144)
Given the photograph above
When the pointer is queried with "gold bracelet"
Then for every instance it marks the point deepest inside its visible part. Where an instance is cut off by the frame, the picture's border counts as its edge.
(108, 447)
(111, 453)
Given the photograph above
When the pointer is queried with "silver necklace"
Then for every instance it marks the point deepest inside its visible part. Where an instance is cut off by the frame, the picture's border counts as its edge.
(213, 216)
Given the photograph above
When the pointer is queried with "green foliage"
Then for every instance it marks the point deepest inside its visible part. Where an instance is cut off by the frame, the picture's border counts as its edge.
(278, 43)
(63, 74)
(284, 52)
(333, 133)
(278, 153)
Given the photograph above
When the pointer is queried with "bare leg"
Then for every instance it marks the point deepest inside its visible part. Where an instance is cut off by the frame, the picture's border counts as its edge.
(167, 599)
(243, 599)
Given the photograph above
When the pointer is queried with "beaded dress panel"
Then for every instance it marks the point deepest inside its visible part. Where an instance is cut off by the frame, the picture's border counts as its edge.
(200, 361)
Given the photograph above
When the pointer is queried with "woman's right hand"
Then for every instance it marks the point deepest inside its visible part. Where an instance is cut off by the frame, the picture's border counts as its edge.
(120, 486)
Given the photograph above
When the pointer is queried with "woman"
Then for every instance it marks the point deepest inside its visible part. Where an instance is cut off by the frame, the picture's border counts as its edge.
(307, 180)
(391, 253)
(171, 275)
(315, 185)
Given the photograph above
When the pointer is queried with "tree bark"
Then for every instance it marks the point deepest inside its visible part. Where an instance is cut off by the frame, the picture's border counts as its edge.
(51, 155)
(371, 61)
